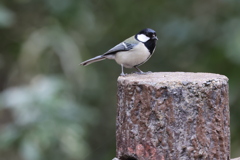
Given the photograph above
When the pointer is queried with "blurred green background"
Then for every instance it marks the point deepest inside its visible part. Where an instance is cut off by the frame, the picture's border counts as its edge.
(51, 108)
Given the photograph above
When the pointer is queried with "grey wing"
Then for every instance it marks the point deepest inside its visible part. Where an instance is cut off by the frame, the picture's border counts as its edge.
(120, 47)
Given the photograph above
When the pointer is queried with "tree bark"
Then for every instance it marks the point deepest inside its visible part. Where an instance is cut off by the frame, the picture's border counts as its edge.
(173, 116)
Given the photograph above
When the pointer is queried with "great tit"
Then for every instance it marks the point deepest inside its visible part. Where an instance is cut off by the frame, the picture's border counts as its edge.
(132, 52)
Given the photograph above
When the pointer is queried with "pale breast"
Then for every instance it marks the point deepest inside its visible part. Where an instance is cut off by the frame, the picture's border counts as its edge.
(133, 57)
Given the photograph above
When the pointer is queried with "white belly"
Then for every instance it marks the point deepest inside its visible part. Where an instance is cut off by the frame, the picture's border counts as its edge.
(133, 57)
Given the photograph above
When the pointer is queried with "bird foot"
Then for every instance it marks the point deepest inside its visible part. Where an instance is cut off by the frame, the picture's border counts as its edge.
(149, 72)
(122, 74)
(138, 72)
(142, 72)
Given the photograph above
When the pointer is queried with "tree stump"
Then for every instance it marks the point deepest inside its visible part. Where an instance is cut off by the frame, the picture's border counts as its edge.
(173, 116)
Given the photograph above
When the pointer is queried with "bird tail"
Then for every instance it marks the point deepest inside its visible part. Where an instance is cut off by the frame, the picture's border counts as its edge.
(92, 60)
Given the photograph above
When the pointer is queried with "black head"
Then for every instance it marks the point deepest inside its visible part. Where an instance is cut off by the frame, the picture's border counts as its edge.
(146, 35)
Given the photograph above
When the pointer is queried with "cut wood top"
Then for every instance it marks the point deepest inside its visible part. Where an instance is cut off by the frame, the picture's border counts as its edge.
(183, 78)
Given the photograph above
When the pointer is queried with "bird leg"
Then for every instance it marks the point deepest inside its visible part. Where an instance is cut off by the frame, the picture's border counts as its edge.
(138, 69)
(122, 74)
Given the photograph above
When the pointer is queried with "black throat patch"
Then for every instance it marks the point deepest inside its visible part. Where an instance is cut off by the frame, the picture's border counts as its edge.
(151, 44)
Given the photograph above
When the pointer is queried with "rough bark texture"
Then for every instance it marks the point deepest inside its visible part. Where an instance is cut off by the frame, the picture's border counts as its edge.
(173, 116)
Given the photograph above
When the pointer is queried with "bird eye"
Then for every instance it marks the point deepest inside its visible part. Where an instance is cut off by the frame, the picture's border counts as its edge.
(149, 34)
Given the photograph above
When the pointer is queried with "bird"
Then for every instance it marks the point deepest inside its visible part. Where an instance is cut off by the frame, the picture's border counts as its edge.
(132, 52)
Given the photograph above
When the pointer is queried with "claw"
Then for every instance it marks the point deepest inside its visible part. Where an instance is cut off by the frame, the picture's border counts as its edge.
(149, 72)
(142, 72)
(122, 74)
(139, 72)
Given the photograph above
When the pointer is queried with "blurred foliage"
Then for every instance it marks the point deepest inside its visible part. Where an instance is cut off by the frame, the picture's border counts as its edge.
(51, 108)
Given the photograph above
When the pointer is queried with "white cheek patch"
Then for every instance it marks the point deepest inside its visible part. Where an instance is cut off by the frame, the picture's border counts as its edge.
(142, 37)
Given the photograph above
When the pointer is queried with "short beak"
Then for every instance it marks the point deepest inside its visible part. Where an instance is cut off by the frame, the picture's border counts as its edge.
(155, 37)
